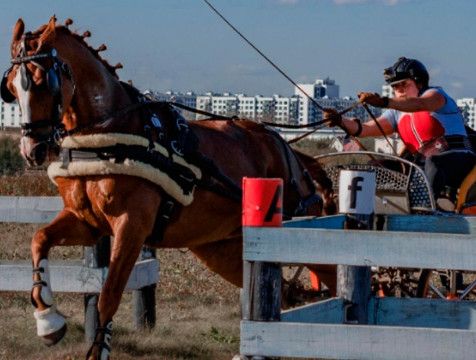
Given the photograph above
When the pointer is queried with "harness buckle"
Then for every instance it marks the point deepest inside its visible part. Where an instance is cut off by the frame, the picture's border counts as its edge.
(181, 123)
(175, 147)
(65, 157)
(56, 137)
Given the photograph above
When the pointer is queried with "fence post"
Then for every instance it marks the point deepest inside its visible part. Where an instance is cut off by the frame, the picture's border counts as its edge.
(357, 197)
(353, 282)
(261, 294)
(94, 257)
(143, 300)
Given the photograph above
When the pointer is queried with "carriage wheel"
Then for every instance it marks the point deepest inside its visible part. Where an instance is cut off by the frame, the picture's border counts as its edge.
(423, 283)
(297, 288)
(444, 284)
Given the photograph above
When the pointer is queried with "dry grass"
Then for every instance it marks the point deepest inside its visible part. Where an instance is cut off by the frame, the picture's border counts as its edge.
(197, 318)
(32, 183)
(198, 313)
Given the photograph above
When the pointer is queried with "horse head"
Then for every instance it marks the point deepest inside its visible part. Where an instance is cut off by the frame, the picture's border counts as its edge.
(46, 75)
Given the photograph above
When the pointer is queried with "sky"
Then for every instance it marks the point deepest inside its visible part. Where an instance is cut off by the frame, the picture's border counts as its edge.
(182, 45)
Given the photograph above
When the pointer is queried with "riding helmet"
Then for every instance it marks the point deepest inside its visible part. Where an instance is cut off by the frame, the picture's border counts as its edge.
(407, 69)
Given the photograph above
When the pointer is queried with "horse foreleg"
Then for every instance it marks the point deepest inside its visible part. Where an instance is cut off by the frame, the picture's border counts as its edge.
(126, 247)
(224, 258)
(51, 326)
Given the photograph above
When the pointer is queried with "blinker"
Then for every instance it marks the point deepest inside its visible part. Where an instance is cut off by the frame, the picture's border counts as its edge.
(52, 82)
(7, 96)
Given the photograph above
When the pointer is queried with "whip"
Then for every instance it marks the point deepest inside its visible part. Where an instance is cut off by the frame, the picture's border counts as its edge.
(263, 55)
(290, 80)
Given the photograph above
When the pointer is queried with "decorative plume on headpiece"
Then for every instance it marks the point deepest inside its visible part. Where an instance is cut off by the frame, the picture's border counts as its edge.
(96, 52)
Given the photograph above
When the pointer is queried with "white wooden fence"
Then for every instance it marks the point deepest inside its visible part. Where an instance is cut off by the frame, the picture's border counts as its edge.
(397, 328)
(69, 275)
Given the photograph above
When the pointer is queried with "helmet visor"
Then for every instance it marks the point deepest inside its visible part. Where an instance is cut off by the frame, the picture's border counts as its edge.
(393, 77)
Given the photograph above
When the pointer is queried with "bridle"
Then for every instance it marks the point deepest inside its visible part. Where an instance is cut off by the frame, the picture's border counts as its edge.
(54, 84)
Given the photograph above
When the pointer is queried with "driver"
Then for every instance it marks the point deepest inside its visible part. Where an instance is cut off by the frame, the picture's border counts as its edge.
(428, 121)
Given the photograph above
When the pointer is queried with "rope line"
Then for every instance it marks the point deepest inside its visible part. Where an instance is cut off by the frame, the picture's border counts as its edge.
(300, 89)
(263, 55)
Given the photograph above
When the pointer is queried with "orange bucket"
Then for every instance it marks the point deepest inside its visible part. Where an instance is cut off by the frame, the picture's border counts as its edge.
(262, 202)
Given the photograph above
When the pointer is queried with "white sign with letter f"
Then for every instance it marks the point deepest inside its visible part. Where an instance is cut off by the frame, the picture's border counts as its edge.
(357, 192)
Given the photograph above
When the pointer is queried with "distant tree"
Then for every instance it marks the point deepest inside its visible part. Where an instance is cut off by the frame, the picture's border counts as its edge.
(11, 161)
(324, 146)
(314, 147)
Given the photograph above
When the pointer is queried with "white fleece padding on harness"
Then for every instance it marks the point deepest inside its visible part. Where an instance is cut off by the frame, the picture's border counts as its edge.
(46, 293)
(128, 167)
(48, 321)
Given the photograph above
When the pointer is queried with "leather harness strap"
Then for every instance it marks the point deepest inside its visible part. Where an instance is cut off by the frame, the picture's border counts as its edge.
(162, 218)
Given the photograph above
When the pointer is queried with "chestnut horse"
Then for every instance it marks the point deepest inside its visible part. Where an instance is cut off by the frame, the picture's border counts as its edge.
(136, 170)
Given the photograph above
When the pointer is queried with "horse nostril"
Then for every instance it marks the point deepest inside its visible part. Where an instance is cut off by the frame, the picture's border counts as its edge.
(39, 153)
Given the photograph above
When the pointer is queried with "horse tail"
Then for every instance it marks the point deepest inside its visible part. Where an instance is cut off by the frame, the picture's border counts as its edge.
(323, 181)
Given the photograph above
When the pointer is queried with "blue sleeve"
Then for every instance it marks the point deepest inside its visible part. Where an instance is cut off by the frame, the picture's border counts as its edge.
(392, 117)
(450, 105)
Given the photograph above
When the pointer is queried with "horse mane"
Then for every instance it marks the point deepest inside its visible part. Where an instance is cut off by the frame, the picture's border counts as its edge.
(80, 38)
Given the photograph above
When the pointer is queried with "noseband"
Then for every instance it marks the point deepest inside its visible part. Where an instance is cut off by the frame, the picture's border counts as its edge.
(54, 84)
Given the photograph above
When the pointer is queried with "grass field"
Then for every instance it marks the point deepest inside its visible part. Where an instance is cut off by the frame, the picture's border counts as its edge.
(198, 313)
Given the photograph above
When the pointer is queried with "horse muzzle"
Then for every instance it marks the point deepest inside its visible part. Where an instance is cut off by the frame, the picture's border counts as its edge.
(36, 154)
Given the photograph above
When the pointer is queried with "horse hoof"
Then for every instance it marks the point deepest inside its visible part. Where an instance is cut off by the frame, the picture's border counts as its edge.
(54, 338)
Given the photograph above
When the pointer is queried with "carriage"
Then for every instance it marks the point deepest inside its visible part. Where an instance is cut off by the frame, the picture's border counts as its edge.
(402, 188)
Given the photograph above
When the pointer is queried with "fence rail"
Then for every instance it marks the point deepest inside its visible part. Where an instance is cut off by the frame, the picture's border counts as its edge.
(81, 276)
(397, 328)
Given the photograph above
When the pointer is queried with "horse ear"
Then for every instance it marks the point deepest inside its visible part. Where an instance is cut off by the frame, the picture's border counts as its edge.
(18, 31)
(49, 34)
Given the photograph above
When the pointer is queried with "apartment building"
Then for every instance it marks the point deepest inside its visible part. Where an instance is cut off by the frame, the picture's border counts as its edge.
(326, 94)
(387, 91)
(188, 99)
(247, 106)
(10, 115)
(468, 109)
(275, 108)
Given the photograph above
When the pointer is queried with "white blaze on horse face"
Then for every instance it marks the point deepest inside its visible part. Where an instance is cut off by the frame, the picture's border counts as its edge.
(24, 102)
(23, 99)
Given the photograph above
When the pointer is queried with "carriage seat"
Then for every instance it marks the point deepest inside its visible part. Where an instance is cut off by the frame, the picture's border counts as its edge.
(401, 186)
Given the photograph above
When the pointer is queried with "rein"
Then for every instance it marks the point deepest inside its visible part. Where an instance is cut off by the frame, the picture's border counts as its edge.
(201, 112)
(366, 107)
(54, 84)
(106, 117)
(292, 82)
(263, 55)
